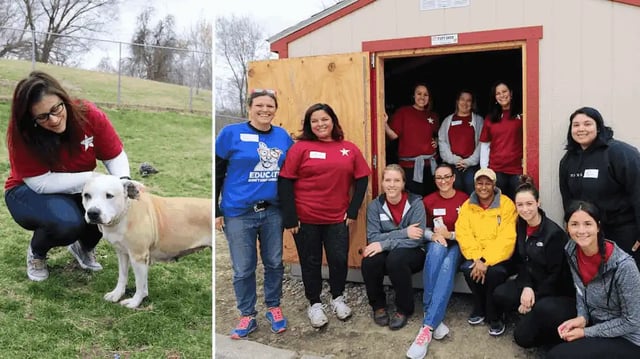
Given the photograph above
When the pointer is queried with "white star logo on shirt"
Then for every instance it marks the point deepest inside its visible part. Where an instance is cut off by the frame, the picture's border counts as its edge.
(430, 120)
(345, 152)
(470, 123)
(87, 142)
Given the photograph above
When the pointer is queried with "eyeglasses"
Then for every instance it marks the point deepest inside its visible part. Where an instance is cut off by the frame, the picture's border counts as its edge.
(55, 111)
(265, 91)
(443, 178)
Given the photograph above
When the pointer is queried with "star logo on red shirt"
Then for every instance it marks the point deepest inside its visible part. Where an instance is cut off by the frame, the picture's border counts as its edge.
(87, 142)
(345, 152)
(430, 120)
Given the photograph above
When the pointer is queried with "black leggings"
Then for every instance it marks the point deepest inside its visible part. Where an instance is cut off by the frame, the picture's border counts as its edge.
(399, 264)
(539, 326)
(596, 348)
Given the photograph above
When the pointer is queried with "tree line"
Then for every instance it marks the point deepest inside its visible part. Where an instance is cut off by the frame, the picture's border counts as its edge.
(60, 32)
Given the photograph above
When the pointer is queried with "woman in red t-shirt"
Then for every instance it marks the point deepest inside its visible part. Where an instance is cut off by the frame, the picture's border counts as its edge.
(501, 139)
(416, 128)
(54, 142)
(314, 184)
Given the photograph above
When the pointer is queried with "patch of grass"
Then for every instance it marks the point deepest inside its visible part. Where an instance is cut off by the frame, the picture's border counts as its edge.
(65, 316)
(102, 87)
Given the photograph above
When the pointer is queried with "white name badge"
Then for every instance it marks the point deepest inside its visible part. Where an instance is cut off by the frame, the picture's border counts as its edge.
(439, 212)
(249, 137)
(318, 155)
(590, 173)
(456, 123)
(384, 217)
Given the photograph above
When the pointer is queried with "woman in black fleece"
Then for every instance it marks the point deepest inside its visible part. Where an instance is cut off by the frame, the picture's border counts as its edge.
(605, 172)
(543, 290)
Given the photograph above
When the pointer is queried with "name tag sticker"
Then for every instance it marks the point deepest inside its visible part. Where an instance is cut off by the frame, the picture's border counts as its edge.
(249, 137)
(590, 173)
(456, 122)
(318, 155)
(384, 217)
(439, 212)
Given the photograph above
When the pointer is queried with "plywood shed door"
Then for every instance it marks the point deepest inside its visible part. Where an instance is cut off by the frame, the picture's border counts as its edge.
(341, 81)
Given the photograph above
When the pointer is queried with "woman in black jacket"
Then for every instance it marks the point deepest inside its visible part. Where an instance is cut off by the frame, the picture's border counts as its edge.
(543, 291)
(606, 172)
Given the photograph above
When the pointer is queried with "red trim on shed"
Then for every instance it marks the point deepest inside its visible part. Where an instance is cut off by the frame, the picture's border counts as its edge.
(628, 2)
(531, 35)
(282, 46)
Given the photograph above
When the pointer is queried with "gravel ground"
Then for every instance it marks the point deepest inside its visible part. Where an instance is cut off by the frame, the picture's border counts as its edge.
(358, 337)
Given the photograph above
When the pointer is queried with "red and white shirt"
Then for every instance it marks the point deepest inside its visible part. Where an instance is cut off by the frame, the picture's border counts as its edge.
(97, 140)
(415, 130)
(506, 143)
(437, 206)
(323, 173)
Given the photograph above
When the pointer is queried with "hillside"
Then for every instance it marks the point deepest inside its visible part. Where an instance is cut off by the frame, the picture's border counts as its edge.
(102, 88)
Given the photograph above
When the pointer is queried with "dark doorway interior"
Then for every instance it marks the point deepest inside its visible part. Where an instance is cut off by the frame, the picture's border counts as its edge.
(445, 75)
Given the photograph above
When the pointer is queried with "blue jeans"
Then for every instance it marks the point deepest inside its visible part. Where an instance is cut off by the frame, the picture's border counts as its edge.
(440, 267)
(242, 233)
(56, 219)
(464, 179)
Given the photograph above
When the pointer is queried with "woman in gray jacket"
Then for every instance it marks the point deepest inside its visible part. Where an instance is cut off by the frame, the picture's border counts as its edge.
(395, 227)
(458, 141)
(607, 285)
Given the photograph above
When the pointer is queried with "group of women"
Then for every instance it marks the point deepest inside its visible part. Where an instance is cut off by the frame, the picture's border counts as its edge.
(574, 290)
(262, 194)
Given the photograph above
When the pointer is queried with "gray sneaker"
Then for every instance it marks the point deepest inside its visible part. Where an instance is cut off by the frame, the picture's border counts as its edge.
(36, 268)
(86, 259)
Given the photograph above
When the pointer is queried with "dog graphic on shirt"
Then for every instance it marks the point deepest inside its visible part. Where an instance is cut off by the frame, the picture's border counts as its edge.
(268, 158)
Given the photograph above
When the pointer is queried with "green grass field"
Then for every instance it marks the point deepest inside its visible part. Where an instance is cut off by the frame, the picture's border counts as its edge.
(65, 316)
(102, 87)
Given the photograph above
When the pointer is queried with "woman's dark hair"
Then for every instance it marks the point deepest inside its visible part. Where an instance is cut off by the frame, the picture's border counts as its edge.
(43, 144)
(495, 112)
(307, 133)
(525, 184)
(604, 133)
(593, 212)
(259, 93)
(473, 100)
(413, 92)
(446, 165)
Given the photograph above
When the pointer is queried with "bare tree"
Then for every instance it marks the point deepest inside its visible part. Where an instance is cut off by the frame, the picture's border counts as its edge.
(238, 41)
(14, 40)
(106, 65)
(54, 21)
(154, 62)
(200, 42)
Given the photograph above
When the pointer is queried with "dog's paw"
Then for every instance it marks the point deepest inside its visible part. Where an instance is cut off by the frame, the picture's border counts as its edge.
(131, 303)
(114, 296)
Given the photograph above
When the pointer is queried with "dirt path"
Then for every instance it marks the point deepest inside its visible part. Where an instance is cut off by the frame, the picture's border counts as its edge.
(358, 337)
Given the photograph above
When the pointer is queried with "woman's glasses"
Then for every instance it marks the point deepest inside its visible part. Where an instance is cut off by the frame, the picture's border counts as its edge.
(55, 111)
(443, 178)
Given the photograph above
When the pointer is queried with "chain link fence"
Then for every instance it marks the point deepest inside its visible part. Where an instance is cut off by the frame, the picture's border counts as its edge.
(187, 73)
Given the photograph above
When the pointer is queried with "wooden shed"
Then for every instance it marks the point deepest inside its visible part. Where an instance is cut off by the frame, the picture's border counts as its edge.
(362, 57)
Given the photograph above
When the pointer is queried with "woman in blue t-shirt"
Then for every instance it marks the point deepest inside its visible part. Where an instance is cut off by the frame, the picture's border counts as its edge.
(248, 160)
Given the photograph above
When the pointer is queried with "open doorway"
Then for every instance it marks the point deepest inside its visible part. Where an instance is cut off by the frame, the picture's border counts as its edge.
(445, 75)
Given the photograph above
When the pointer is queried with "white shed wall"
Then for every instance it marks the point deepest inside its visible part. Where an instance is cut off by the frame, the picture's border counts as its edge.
(589, 56)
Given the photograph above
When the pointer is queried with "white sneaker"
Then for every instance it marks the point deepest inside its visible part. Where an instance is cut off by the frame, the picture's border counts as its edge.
(420, 345)
(36, 268)
(441, 331)
(316, 315)
(341, 309)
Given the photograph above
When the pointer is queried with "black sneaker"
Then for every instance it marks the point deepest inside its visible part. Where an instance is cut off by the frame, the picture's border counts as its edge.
(475, 319)
(496, 328)
(398, 321)
(381, 317)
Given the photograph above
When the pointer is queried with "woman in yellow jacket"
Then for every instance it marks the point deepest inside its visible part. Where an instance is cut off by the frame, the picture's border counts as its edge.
(486, 233)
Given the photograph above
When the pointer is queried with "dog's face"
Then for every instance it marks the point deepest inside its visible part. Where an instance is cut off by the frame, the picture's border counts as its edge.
(105, 197)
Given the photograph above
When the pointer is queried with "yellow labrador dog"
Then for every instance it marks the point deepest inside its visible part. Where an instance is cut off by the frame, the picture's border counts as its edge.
(144, 227)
